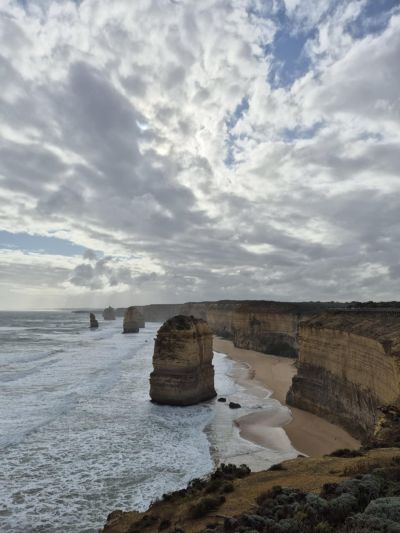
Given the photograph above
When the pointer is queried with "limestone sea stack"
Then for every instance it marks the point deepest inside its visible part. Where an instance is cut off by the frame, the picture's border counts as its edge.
(93, 322)
(109, 313)
(183, 371)
(133, 320)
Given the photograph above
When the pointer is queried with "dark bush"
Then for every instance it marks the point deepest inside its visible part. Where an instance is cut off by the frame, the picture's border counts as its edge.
(329, 491)
(345, 452)
(230, 472)
(278, 466)
(197, 484)
(205, 506)
(214, 485)
(227, 487)
(164, 524)
(342, 507)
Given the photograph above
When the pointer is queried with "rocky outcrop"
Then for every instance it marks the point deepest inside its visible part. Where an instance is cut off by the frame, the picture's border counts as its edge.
(349, 372)
(183, 372)
(93, 322)
(109, 313)
(133, 320)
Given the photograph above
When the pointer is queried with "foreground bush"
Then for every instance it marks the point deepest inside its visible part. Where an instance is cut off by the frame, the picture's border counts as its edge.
(363, 504)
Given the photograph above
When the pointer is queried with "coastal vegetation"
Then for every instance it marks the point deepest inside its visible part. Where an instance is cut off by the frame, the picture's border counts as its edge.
(347, 492)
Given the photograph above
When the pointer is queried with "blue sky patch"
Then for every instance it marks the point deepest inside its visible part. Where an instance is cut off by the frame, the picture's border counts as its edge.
(374, 18)
(289, 59)
(39, 243)
(231, 122)
(294, 134)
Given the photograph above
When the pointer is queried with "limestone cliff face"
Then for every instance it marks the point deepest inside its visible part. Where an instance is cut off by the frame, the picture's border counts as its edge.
(269, 327)
(262, 326)
(109, 313)
(133, 320)
(183, 372)
(349, 371)
(159, 312)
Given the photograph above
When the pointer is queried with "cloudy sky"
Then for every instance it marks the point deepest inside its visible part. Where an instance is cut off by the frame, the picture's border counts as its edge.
(175, 150)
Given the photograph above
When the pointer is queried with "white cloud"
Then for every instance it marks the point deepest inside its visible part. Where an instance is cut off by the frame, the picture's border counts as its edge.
(115, 128)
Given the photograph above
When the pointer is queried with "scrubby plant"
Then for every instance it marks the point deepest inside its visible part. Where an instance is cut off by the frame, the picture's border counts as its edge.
(323, 527)
(345, 452)
(362, 523)
(231, 471)
(388, 508)
(205, 506)
(278, 466)
(367, 503)
(214, 485)
(341, 507)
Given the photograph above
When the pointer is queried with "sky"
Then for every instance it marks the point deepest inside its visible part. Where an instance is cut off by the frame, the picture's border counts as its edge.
(156, 151)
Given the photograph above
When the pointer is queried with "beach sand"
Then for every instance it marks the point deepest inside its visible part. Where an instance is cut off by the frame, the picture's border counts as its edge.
(308, 433)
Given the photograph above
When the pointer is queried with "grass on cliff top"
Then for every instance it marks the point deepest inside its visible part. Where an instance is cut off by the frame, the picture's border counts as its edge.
(208, 501)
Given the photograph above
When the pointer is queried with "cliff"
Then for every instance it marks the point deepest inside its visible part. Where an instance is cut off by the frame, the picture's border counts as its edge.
(349, 372)
(265, 326)
(183, 372)
(159, 312)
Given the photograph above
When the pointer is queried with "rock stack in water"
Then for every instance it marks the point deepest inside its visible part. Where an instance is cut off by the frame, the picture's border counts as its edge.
(93, 322)
(183, 372)
(109, 313)
(133, 320)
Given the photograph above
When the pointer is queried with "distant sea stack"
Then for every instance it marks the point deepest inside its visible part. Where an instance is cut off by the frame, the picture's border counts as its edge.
(93, 322)
(109, 313)
(183, 371)
(133, 320)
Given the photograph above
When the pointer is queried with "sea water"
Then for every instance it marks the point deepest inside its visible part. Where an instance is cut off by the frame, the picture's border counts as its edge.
(78, 434)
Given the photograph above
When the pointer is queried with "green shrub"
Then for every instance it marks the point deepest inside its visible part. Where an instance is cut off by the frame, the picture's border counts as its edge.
(341, 507)
(323, 527)
(388, 508)
(205, 506)
(362, 523)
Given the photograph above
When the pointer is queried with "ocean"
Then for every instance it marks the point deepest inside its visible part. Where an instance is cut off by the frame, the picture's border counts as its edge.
(79, 436)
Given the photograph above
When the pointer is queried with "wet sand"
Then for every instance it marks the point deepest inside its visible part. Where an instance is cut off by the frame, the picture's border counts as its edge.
(308, 433)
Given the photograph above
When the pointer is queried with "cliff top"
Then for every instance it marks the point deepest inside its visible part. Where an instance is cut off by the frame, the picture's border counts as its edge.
(181, 322)
(245, 493)
(382, 327)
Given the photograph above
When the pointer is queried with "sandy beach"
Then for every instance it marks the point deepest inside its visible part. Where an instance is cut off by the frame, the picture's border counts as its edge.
(308, 433)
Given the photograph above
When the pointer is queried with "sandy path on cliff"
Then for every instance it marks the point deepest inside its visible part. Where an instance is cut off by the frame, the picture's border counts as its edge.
(309, 434)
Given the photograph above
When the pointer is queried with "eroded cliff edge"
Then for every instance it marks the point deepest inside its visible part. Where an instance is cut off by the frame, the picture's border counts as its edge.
(349, 372)
(264, 326)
